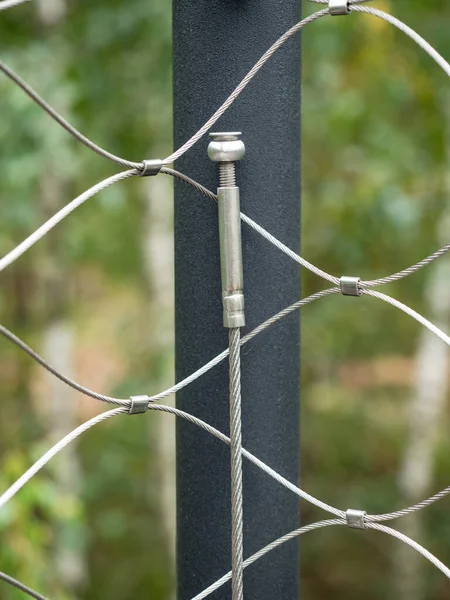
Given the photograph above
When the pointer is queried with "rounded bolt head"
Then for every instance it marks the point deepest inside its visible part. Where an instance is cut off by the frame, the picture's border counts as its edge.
(226, 147)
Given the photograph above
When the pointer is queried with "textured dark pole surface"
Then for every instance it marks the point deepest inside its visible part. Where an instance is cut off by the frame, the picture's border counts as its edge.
(215, 44)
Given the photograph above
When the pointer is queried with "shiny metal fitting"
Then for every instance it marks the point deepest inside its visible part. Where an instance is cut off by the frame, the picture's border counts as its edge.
(338, 7)
(356, 519)
(151, 167)
(231, 256)
(139, 405)
(350, 286)
(234, 310)
(226, 147)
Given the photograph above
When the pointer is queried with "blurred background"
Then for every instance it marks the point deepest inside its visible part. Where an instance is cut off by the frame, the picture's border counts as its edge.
(98, 522)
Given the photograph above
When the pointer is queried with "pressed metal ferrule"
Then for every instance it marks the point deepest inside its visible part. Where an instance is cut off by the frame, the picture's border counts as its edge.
(350, 286)
(139, 405)
(338, 7)
(356, 519)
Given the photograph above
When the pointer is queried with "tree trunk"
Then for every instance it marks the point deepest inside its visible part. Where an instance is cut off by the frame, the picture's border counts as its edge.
(58, 343)
(427, 405)
(158, 253)
(58, 348)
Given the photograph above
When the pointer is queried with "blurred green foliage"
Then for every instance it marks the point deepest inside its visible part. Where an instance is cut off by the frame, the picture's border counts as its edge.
(376, 143)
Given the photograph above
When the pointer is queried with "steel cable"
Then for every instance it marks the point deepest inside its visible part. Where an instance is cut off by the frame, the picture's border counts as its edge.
(70, 437)
(65, 124)
(371, 520)
(222, 356)
(10, 3)
(66, 440)
(17, 584)
(70, 382)
(249, 456)
(180, 385)
(418, 39)
(320, 524)
(297, 258)
(272, 546)
(407, 540)
(39, 233)
(370, 524)
(237, 519)
(412, 313)
(259, 329)
(411, 509)
(32, 239)
(354, 6)
(242, 85)
(268, 236)
(409, 271)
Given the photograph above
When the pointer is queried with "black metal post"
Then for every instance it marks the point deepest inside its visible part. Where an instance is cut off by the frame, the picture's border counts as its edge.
(215, 44)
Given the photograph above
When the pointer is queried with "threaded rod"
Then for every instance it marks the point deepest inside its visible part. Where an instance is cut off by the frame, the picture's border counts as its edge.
(227, 174)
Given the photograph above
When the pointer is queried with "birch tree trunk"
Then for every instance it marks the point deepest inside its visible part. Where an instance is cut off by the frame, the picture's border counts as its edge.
(58, 343)
(427, 405)
(59, 348)
(158, 248)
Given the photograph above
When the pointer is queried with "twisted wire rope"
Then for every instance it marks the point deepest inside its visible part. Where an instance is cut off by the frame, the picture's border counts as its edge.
(255, 332)
(67, 380)
(409, 271)
(243, 84)
(63, 122)
(250, 457)
(259, 329)
(272, 546)
(410, 509)
(354, 6)
(37, 235)
(263, 232)
(415, 545)
(296, 257)
(66, 440)
(290, 486)
(181, 384)
(12, 491)
(204, 369)
(237, 518)
(318, 525)
(65, 211)
(370, 520)
(441, 62)
(412, 313)
(72, 436)
(10, 3)
(247, 338)
(418, 39)
(17, 584)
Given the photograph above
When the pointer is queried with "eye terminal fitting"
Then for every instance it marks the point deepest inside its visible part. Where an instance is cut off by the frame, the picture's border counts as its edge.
(226, 147)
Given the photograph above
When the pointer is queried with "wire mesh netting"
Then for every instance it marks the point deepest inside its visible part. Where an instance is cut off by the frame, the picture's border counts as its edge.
(348, 286)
